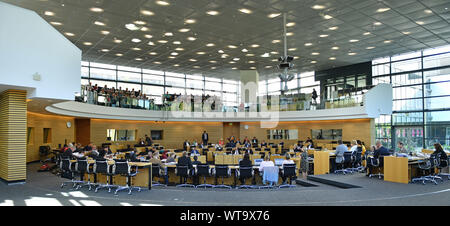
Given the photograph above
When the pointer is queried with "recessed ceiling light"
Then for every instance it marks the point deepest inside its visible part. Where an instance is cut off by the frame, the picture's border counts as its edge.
(119, 54)
(184, 30)
(253, 68)
(99, 23)
(246, 11)
(87, 43)
(332, 58)
(289, 34)
(406, 32)
(274, 52)
(176, 65)
(236, 59)
(171, 57)
(276, 41)
(135, 40)
(69, 34)
(176, 43)
(136, 49)
(254, 46)
(174, 53)
(162, 41)
(428, 11)
(234, 68)
(117, 41)
(56, 23)
(315, 53)
(179, 49)
(420, 22)
(273, 15)
(371, 47)
(191, 38)
(388, 41)
(48, 13)
(105, 50)
(151, 43)
(148, 36)
(157, 62)
(267, 66)
(153, 53)
(131, 27)
(163, 3)
(249, 54)
(145, 29)
(210, 44)
(317, 7)
(351, 54)
(212, 13)
(308, 44)
(212, 61)
(224, 56)
(367, 33)
(193, 60)
(381, 10)
(232, 47)
(265, 55)
(313, 62)
(251, 62)
(353, 40)
(213, 68)
(274, 60)
(190, 21)
(168, 34)
(244, 50)
(323, 36)
(138, 59)
(96, 9)
(201, 53)
(335, 47)
(333, 28)
(231, 62)
(220, 51)
(105, 32)
(327, 17)
(377, 23)
(196, 66)
(140, 22)
(296, 57)
(290, 24)
(147, 13)
(292, 49)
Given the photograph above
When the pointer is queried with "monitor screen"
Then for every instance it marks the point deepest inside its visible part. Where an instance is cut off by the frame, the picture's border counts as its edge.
(279, 162)
(258, 162)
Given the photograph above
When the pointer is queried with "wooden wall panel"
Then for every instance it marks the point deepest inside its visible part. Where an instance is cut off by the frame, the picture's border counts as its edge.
(83, 131)
(356, 129)
(60, 133)
(13, 122)
(231, 130)
(173, 136)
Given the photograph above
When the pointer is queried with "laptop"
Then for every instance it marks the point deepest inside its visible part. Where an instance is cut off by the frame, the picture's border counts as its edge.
(279, 162)
(257, 162)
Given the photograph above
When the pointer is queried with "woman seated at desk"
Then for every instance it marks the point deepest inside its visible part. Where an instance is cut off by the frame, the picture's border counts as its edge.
(265, 163)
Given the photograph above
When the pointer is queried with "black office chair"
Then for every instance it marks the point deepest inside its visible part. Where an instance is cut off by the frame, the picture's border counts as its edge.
(101, 166)
(434, 164)
(222, 171)
(183, 172)
(157, 172)
(81, 167)
(442, 163)
(124, 169)
(243, 173)
(357, 161)
(203, 171)
(288, 171)
(376, 163)
(67, 171)
(425, 166)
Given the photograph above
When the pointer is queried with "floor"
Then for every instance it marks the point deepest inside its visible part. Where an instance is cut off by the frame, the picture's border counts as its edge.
(44, 189)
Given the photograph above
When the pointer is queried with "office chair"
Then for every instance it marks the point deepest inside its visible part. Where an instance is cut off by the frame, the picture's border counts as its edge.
(67, 171)
(101, 166)
(424, 165)
(376, 163)
(244, 173)
(222, 171)
(183, 173)
(347, 161)
(124, 169)
(357, 163)
(434, 164)
(288, 171)
(81, 167)
(204, 171)
(156, 172)
(270, 174)
(442, 163)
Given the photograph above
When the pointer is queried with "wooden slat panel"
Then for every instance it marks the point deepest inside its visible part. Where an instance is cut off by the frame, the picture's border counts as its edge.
(13, 124)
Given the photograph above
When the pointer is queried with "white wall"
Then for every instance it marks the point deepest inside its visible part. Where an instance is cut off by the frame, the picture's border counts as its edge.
(29, 45)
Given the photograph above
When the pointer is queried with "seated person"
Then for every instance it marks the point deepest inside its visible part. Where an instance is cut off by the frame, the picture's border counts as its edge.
(195, 179)
(263, 143)
(155, 159)
(184, 160)
(140, 142)
(196, 162)
(248, 145)
(254, 140)
(310, 142)
(249, 151)
(69, 151)
(298, 148)
(439, 151)
(354, 146)
(236, 152)
(265, 163)
(171, 158)
(245, 162)
(288, 160)
(78, 155)
(194, 151)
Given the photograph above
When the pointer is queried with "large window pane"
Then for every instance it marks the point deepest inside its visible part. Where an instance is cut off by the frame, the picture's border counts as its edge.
(171, 81)
(153, 79)
(405, 56)
(274, 87)
(308, 81)
(129, 76)
(407, 79)
(382, 69)
(407, 92)
(129, 86)
(437, 103)
(84, 72)
(106, 66)
(213, 86)
(197, 84)
(437, 117)
(178, 75)
(155, 92)
(146, 71)
(196, 77)
(407, 118)
(213, 79)
(230, 88)
(381, 80)
(194, 92)
(437, 133)
(407, 105)
(131, 69)
(437, 89)
(436, 61)
(407, 65)
(100, 83)
(441, 49)
(437, 75)
(103, 74)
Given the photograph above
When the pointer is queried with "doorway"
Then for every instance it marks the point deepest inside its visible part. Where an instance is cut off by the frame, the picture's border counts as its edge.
(231, 129)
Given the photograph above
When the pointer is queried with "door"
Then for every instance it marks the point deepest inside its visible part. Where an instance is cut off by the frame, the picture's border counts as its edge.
(231, 129)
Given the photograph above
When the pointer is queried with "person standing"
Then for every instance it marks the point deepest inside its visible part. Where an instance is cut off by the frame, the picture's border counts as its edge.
(314, 96)
(205, 138)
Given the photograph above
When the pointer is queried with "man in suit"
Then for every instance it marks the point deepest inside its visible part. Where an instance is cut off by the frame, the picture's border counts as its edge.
(245, 162)
(380, 151)
(205, 138)
(185, 145)
(254, 140)
(148, 140)
(184, 160)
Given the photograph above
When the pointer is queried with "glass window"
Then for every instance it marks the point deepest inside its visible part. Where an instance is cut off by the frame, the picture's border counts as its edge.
(171, 81)
(381, 60)
(407, 65)
(84, 82)
(308, 81)
(407, 92)
(407, 79)
(132, 69)
(129, 76)
(230, 88)
(441, 49)
(407, 118)
(361, 81)
(213, 86)
(274, 87)
(229, 97)
(382, 69)
(194, 92)
(213, 79)
(196, 77)
(381, 80)
(436, 61)
(437, 103)
(107, 66)
(310, 90)
(153, 79)
(437, 89)
(437, 75)
(437, 117)
(407, 105)
(146, 71)
(405, 56)
(155, 92)
(437, 133)
(101, 83)
(293, 84)
(178, 75)
(230, 81)
(84, 72)
(84, 63)
(103, 74)
(175, 90)
(198, 84)
(130, 86)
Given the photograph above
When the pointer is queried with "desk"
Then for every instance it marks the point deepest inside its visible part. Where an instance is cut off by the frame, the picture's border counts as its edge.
(322, 162)
(400, 169)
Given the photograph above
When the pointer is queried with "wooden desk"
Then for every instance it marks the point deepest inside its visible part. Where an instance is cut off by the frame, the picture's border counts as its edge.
(322, 162)
(400, 169)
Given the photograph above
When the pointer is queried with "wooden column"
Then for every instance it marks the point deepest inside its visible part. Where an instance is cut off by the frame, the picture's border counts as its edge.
(13, 130)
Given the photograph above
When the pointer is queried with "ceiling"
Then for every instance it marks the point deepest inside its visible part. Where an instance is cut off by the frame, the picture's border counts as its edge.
(405, 26)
